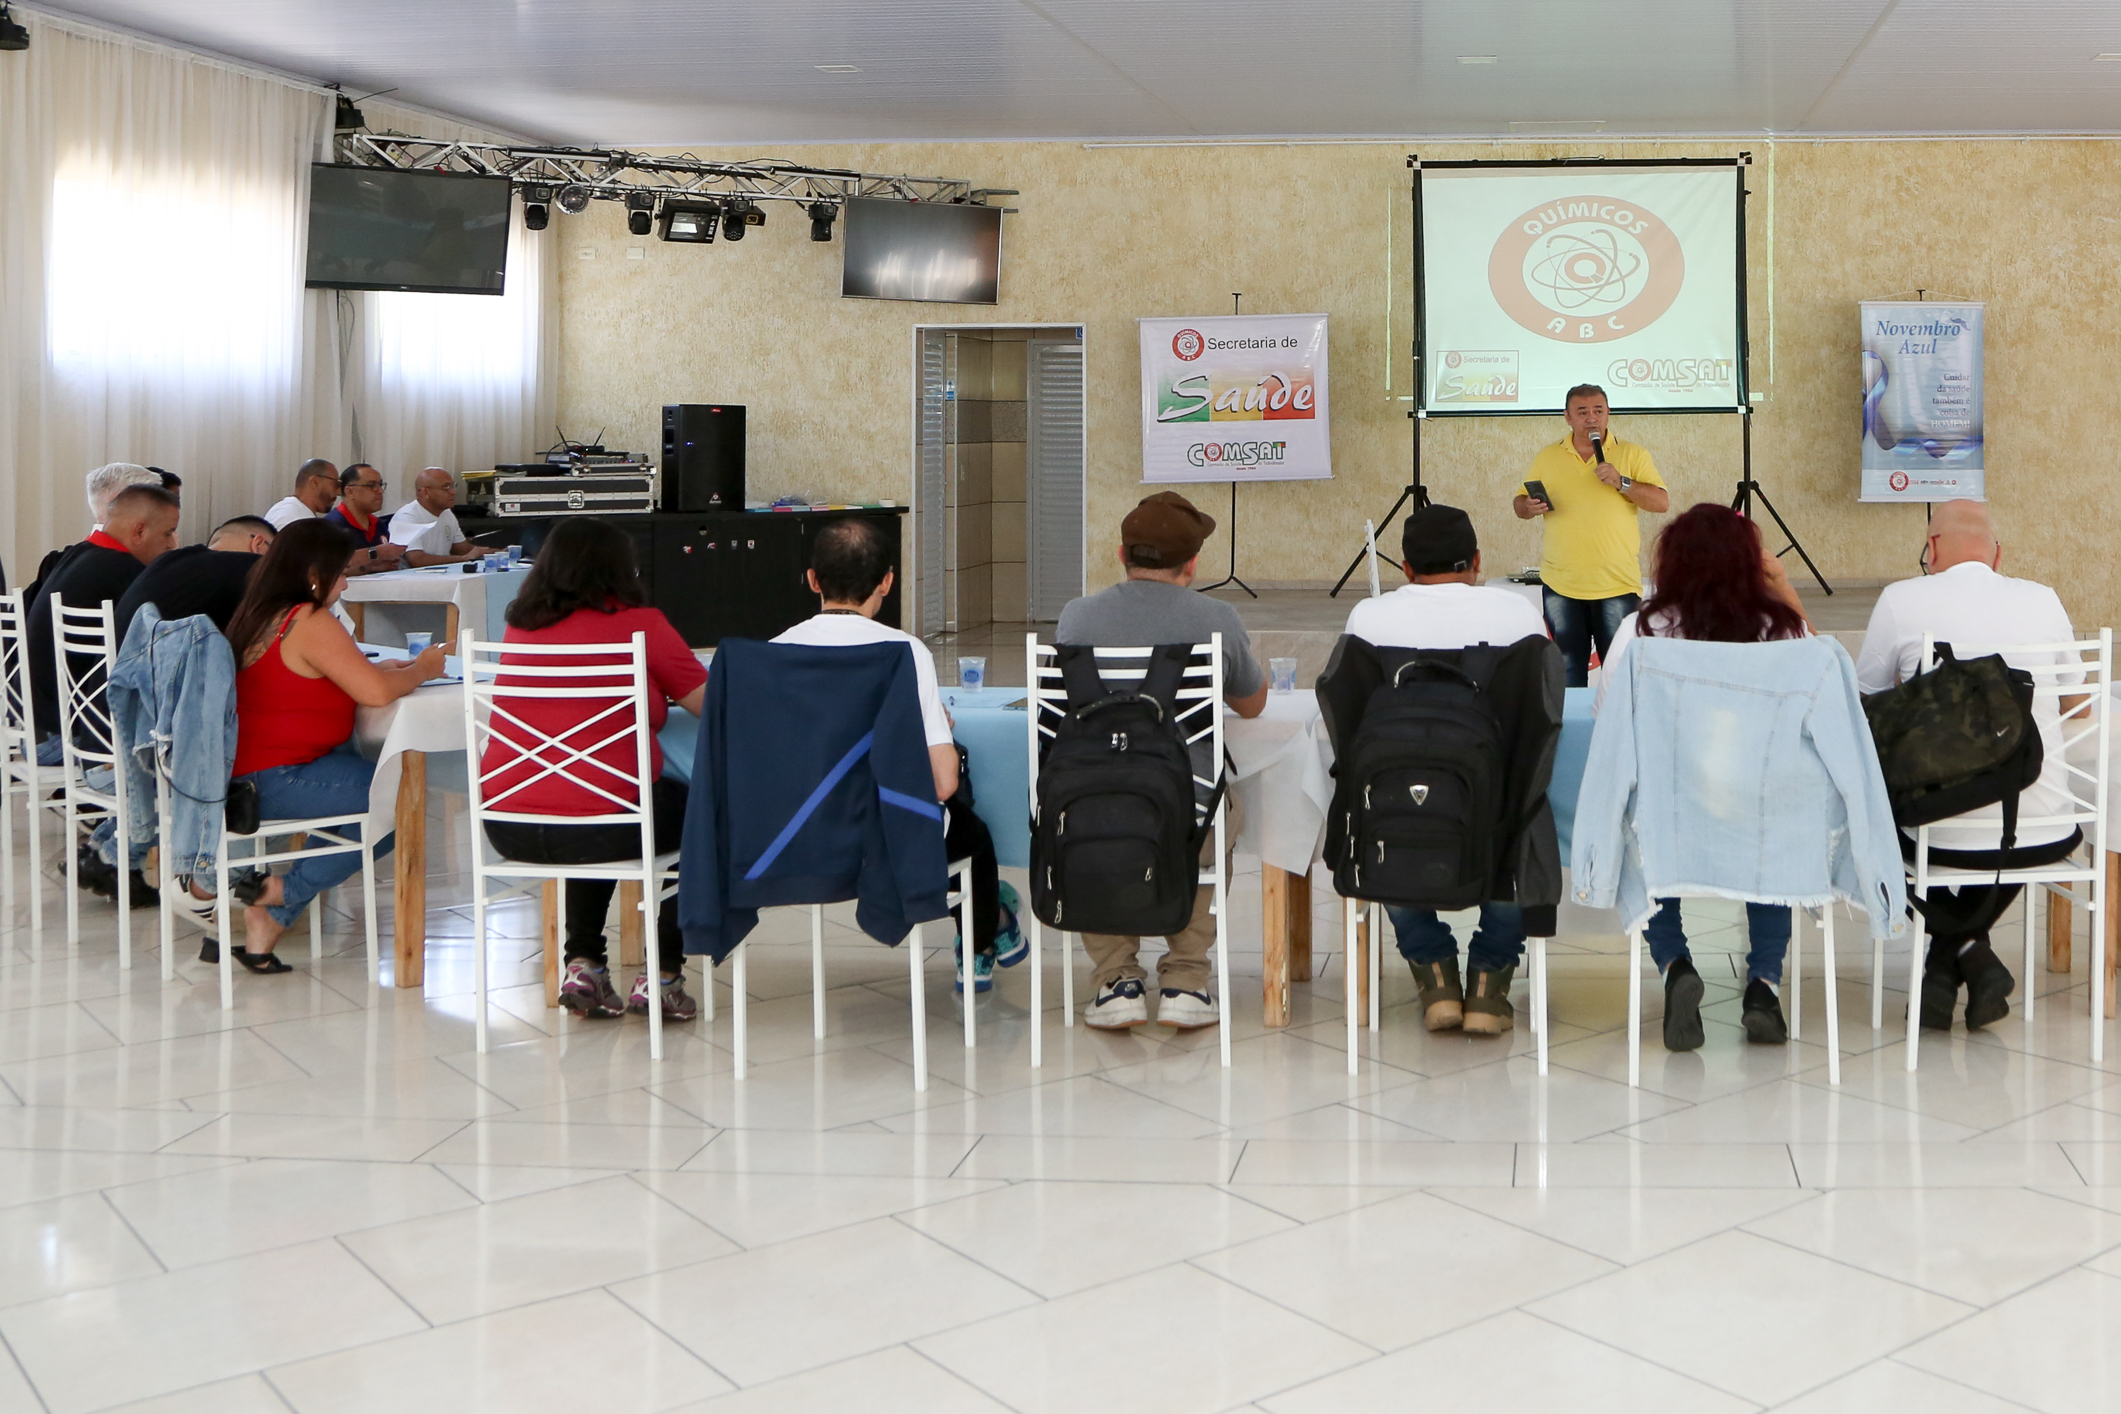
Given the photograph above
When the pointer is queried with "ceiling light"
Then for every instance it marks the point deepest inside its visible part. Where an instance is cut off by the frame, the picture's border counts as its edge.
(741, 214)
(837, 68)
(574, 200)
(640, 212)
(692, 222)
(822, 215)
(1476, 58)
(537, 207)
(12, 35)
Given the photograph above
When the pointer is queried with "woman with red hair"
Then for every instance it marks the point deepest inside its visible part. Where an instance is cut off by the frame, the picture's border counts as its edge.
(1714, 582)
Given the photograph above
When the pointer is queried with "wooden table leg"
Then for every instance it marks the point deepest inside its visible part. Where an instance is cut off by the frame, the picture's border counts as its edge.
(359, 614)
(631, 951)
(449, 626)
(1300, 927)
(2058, 925)
(409, 861)
(2113, 910)
(552, 941)
(1274, 940)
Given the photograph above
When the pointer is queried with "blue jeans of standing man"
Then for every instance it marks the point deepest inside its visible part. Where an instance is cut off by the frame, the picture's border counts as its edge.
(336, 783)
(1767, 927)
(1578, 623)
(1498, 941)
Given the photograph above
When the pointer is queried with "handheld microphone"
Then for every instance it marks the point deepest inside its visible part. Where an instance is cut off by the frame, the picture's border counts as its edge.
(1597, 447)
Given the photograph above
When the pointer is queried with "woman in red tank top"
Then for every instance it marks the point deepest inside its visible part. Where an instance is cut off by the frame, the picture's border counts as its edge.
(299, 677)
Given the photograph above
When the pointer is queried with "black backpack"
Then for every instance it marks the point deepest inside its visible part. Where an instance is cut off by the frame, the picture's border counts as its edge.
(1115, 847)
(1420, 817)
(1957, 738)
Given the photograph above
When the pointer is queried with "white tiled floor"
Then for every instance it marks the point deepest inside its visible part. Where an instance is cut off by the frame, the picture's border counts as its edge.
(327, 1201)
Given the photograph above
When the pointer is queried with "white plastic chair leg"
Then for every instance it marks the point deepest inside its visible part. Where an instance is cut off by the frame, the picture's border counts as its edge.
(36, 859)
(1067, 952)
(2100, 943)
(478, 954)
(1915, 948)
(368, 914)
(1038, 993)
(817, 971)
(223, 904)
(1539, 998)
(1833, 1001)
(67, 838)
(1634, 1008)
(652, 965)
(914, 945)
(2032, 895)
(739, 1011)
(1376, 958)
(166, 913)
(1877, 984)
(1795, 971)
(1348, 966)
(966, 956)
(1222, 964)
(7, 843)
(316, 931)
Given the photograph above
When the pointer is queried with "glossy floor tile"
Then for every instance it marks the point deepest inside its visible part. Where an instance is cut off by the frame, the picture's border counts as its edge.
(327, 1200)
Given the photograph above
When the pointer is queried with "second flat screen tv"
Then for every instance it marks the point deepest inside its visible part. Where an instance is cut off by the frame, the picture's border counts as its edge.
(933, 252)
(373, 228)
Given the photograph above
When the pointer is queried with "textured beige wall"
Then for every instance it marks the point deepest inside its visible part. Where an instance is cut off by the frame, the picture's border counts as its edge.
(1109, 235)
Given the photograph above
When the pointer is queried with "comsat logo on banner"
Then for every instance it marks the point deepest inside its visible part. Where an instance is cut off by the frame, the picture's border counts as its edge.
(1586, 269)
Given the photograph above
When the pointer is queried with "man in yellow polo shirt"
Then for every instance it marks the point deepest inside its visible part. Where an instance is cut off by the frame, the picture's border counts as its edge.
(1590, 559)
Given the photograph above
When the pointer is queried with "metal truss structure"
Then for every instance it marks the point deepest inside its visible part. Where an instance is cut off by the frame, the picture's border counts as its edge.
(615, 176)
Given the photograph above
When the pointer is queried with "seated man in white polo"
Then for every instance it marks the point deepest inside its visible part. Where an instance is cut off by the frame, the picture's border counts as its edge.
(1443, 606)
(1963, 601)
(427, 524)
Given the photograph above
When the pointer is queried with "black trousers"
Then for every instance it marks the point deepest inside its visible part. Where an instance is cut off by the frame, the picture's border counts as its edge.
(589, 900)
(965, 836)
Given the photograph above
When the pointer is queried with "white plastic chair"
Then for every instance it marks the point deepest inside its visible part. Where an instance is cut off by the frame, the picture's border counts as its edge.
(613, 698)
(2086, 670)
(958, 897)
(1792, 978)
(85, 644)
(1200, 708)
(1351, 909)
(19, 772)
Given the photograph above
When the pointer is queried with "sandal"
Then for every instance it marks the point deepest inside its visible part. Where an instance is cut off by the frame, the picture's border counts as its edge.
(263, 963)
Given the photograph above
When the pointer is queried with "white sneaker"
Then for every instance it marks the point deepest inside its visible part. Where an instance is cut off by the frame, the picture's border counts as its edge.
(1118, 1006)
(1186, 1011)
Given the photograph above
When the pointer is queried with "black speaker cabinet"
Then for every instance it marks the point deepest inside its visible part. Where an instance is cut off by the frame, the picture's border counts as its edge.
(703, 457)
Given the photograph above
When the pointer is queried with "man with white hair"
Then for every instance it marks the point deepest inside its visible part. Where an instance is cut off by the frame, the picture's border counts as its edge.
(107, 481)
(1963, 601)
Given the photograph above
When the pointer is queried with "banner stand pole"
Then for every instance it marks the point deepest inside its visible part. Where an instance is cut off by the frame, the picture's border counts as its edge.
(1231, 577)
(1742, 503)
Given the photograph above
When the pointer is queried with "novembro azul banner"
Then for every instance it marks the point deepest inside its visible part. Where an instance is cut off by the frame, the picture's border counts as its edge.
(1922, 401)
(1235, 398)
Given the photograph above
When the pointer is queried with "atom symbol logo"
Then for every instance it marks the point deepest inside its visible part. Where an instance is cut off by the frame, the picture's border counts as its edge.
(1571, 271)
(1586, 269)
(1188, 344)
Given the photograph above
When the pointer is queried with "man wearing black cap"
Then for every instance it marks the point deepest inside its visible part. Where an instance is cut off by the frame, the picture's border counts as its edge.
(1159, 549)
(1443, 606)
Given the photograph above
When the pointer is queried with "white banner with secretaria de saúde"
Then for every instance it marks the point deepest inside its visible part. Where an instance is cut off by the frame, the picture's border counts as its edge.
(1235, 397)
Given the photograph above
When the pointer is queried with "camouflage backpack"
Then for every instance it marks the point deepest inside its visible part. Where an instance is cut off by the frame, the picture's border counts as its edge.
(1957, 738)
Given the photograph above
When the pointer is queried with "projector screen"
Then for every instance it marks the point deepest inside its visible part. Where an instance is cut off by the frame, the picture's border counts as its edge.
(1536, 277)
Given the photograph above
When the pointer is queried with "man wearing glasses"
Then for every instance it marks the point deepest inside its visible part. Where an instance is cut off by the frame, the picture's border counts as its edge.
(360, 514)
(427, 525)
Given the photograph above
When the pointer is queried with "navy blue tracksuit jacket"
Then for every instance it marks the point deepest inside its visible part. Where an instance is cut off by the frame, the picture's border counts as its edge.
(811, 785)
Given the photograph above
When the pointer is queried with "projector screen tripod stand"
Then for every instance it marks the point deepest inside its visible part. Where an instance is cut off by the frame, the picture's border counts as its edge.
(1413, 492)
(1750, 491)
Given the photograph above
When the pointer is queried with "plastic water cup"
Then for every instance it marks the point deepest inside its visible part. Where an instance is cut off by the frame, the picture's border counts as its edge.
(515, 554)
(418, 643)
(1284, 672)
(972, 673)
(496, 561)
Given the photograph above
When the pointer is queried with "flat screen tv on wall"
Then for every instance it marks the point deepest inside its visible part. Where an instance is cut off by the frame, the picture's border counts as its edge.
(934, 252)
(372, 228)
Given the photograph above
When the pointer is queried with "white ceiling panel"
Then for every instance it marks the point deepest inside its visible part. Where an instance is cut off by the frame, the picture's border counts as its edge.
(652, 72)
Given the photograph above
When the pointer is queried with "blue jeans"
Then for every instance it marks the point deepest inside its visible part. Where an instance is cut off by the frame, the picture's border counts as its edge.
(336, 783)
(1498, 940)
(1578, 623)
(1767, 926)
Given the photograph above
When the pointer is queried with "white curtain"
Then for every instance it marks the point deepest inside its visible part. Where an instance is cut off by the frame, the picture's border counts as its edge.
(153, 221)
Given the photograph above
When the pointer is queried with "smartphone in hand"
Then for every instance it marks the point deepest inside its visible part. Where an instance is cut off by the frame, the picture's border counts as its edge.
(1537, 490)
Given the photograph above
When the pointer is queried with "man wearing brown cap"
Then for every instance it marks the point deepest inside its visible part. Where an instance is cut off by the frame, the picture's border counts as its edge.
(1159, 549)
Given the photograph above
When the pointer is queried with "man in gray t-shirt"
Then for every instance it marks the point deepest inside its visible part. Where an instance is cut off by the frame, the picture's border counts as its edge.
(1160, 544)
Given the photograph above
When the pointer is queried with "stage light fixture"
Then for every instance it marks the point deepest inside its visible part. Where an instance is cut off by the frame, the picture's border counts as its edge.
(692, 222)
(822, 215)
(13, 35)
(537, 207)
(640, 212)
(574, 200)
(741, 214)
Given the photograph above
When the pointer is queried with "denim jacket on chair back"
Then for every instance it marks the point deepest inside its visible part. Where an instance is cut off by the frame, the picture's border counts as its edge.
(176, 683)
(1736, 770)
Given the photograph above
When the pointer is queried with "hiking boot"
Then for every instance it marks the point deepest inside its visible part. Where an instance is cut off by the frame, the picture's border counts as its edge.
(1682, 1006)
(96, 876)
(1763, 1015)
(1487, 1005)
(1442, 998)
(678, 1004)
(982, 970)
(1186, 1011)
(587, 991)
(1119, 1005)
(1940, 991)
(1986, 992)
(1010, 945)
